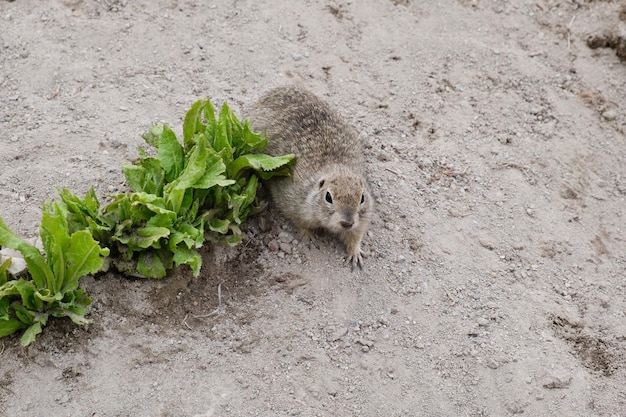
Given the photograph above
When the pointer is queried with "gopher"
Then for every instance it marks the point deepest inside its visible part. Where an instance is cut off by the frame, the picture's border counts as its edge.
(327, 189)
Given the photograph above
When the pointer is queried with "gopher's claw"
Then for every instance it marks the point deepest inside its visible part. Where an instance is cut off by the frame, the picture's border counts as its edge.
(356, 259)
(310, 239)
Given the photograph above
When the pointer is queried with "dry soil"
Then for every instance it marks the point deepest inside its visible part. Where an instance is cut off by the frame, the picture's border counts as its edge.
(495, 278)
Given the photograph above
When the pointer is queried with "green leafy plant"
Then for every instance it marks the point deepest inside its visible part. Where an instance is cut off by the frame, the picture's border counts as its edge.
(50, 285)
(182, 194)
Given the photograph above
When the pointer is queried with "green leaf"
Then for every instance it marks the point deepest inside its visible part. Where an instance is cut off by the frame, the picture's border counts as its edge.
(150, 265)
(77, 315)
(241, 202)
(223, 135)
(4, 309)
(170, 153)
(143, 206)
(84, 257)
(74, 305)
(252, 142)
(83, 213)
(284, 171)
(27, 290)
(193, 123)
(177, 238)
(9, 288)
(91, 203)
(219, 225)
(258, 162)
(148, 176)
(10, 326)
(208, 111)
(135, 176)
(118, 210)
(24, 315)
(232, 240)
(194, 233)
(162, 220)
(185, 204)
(144, 238)
(31, 333)
(199, 200)
(45, 296)
(148, 235)
(99, 226)
(214, 174)
(195, 166)
(55, 236)
(151, 137)
(4, 270)
(190, 257)
(80, 300)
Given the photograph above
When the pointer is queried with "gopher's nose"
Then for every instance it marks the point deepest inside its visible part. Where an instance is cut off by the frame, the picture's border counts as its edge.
(346, 224)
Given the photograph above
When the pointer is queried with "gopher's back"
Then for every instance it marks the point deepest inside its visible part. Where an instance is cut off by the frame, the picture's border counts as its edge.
(298, 122)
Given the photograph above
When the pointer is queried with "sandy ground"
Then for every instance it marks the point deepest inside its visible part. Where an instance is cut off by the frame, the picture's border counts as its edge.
(495, 278)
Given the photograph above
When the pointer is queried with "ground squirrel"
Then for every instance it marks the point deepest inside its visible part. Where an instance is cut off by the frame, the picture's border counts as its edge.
(327, 189)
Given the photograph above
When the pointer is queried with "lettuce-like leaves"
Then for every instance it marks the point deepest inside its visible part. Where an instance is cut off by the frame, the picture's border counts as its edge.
(181, 194)
(51, 285)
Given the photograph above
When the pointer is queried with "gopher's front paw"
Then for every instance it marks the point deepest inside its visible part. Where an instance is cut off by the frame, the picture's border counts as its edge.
(309, 238)
(356, 259)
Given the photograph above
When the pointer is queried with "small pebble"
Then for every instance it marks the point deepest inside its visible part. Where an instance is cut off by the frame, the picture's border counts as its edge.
(609, 115)
(285, 247)
(273, 245)
(285, 237)
(483, 322)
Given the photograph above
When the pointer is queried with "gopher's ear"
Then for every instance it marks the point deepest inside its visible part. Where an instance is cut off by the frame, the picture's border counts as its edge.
(322, 182)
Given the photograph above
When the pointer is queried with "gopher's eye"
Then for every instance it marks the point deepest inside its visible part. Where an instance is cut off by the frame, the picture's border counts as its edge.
(362, 198)
(329, 197)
